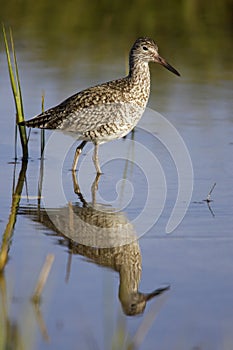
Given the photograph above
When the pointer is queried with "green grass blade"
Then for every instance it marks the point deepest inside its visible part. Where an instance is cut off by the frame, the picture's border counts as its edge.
(19, 92)
(11, 73)
(16, 89)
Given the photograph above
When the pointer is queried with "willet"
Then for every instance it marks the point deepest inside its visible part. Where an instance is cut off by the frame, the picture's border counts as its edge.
(106, 111)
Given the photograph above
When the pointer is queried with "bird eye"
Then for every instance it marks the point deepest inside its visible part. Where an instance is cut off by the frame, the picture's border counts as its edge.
(145, 48)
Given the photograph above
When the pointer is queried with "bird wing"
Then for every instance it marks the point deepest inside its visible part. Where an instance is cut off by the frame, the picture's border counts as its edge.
(77, 107)
(91, 109)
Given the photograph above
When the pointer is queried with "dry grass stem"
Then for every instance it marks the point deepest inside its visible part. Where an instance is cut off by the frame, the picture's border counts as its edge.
(43, 278)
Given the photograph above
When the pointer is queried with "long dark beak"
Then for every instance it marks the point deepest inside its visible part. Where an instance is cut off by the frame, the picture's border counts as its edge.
(156, 292)
(162, 61)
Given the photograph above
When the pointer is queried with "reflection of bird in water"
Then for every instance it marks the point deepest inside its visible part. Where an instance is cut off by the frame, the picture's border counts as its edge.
(126, 260)
(80, 225)
(107, 111)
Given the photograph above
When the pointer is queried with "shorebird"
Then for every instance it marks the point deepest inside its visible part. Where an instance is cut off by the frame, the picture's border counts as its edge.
(109, 110)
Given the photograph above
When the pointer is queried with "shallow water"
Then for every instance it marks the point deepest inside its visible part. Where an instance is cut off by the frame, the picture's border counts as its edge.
(81, 303)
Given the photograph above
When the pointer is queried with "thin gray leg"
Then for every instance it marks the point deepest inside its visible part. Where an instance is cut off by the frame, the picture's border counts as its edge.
(77, 154)
(96, 159)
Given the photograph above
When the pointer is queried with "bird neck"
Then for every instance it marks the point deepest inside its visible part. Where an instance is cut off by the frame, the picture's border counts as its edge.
(139, 76)
(138, 68)
(129, 280)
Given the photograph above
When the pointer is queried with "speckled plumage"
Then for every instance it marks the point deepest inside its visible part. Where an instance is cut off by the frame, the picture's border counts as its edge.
(110, 110)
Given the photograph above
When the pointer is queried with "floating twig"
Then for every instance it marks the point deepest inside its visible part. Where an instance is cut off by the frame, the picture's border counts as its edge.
(208, 198)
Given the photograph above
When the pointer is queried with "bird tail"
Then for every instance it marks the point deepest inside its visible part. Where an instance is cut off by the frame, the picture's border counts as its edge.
(42, 121)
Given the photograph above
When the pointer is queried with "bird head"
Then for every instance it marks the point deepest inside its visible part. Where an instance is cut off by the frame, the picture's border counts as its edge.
(146, 50)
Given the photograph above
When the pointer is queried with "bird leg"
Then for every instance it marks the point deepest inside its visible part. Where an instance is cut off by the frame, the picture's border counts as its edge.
(96, 159)
(77, 154)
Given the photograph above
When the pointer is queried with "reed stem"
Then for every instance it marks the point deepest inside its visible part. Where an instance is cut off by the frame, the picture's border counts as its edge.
(16, 90)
